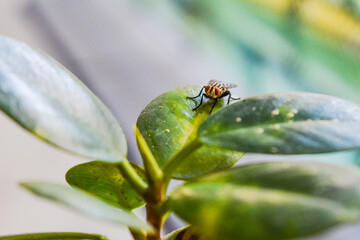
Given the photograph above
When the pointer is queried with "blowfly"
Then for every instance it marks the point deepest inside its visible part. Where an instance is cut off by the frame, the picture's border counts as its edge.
(215, 90)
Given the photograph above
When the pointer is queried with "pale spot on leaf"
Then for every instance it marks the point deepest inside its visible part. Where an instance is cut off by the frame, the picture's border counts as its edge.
(259, 130)
(275, 112)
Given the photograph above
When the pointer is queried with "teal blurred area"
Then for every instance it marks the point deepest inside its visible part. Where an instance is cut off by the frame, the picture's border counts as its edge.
(282, 45)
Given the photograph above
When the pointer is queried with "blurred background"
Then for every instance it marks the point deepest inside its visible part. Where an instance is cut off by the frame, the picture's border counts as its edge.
(130, 51)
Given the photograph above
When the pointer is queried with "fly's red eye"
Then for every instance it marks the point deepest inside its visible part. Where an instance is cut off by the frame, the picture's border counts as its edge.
(217, 91)
(207, 88)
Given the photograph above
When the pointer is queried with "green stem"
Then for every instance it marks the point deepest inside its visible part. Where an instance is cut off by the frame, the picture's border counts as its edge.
(155, 220)
(136, 182)
(170, 168)
(137, 235)
(153, 171)
(155, 198)
(156, 211)
(155, 194)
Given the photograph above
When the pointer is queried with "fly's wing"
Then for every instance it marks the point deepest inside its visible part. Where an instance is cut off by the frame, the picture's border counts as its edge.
(220, 84)
(213, 82)
(229, 85)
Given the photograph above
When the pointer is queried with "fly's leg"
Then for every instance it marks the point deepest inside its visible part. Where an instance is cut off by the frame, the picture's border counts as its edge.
(197, 95)
(201, 100)
(228, 101)
(235, 98)
(216, 99)
(226, 94)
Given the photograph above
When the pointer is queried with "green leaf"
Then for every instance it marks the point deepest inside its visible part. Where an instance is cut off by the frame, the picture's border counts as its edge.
(285, 123)
(184, 234)
(176, 235)
(50, 102)
(54, 236)
(274, 200)
(105, 181)
(85, 203)
(168, 123)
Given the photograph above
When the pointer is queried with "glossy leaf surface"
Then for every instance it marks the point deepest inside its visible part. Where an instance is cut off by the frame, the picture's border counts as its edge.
(169, 122)
(54, 236)
(105, 181)
(85, 203)
(285, 123)
(274, 200)
(50, 102)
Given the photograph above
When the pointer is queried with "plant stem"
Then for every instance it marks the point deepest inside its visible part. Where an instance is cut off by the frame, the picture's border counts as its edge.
(156, 193)
(136, 182)
(154, 197)
(155, 222)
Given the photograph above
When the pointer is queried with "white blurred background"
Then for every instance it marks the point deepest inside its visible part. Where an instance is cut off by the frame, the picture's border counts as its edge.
(127, 52)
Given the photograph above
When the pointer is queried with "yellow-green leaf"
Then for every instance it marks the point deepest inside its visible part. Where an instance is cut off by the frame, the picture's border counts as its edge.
(277, 200)
(105, 181)
(168, 123)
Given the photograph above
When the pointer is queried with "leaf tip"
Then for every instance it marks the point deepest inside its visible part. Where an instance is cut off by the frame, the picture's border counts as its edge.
(26, 185)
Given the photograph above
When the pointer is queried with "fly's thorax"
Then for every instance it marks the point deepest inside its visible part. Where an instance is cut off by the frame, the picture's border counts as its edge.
(214, 91)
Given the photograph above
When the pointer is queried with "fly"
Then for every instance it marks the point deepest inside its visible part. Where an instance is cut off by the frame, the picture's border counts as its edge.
(215, 90)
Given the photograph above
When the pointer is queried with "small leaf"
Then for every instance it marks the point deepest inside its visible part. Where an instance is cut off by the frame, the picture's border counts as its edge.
(276, 200)
(176, 235)
(168, 123)
(185, 233)
(105, 181)
(50, 102)
(285, 123)
(85, 203)
(54, 236)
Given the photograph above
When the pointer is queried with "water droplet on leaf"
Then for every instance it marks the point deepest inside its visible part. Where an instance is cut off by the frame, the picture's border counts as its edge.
(259, 130)
(290, 115)
(275, 112)
(274, 149)
(277, 126)
(294, 111)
